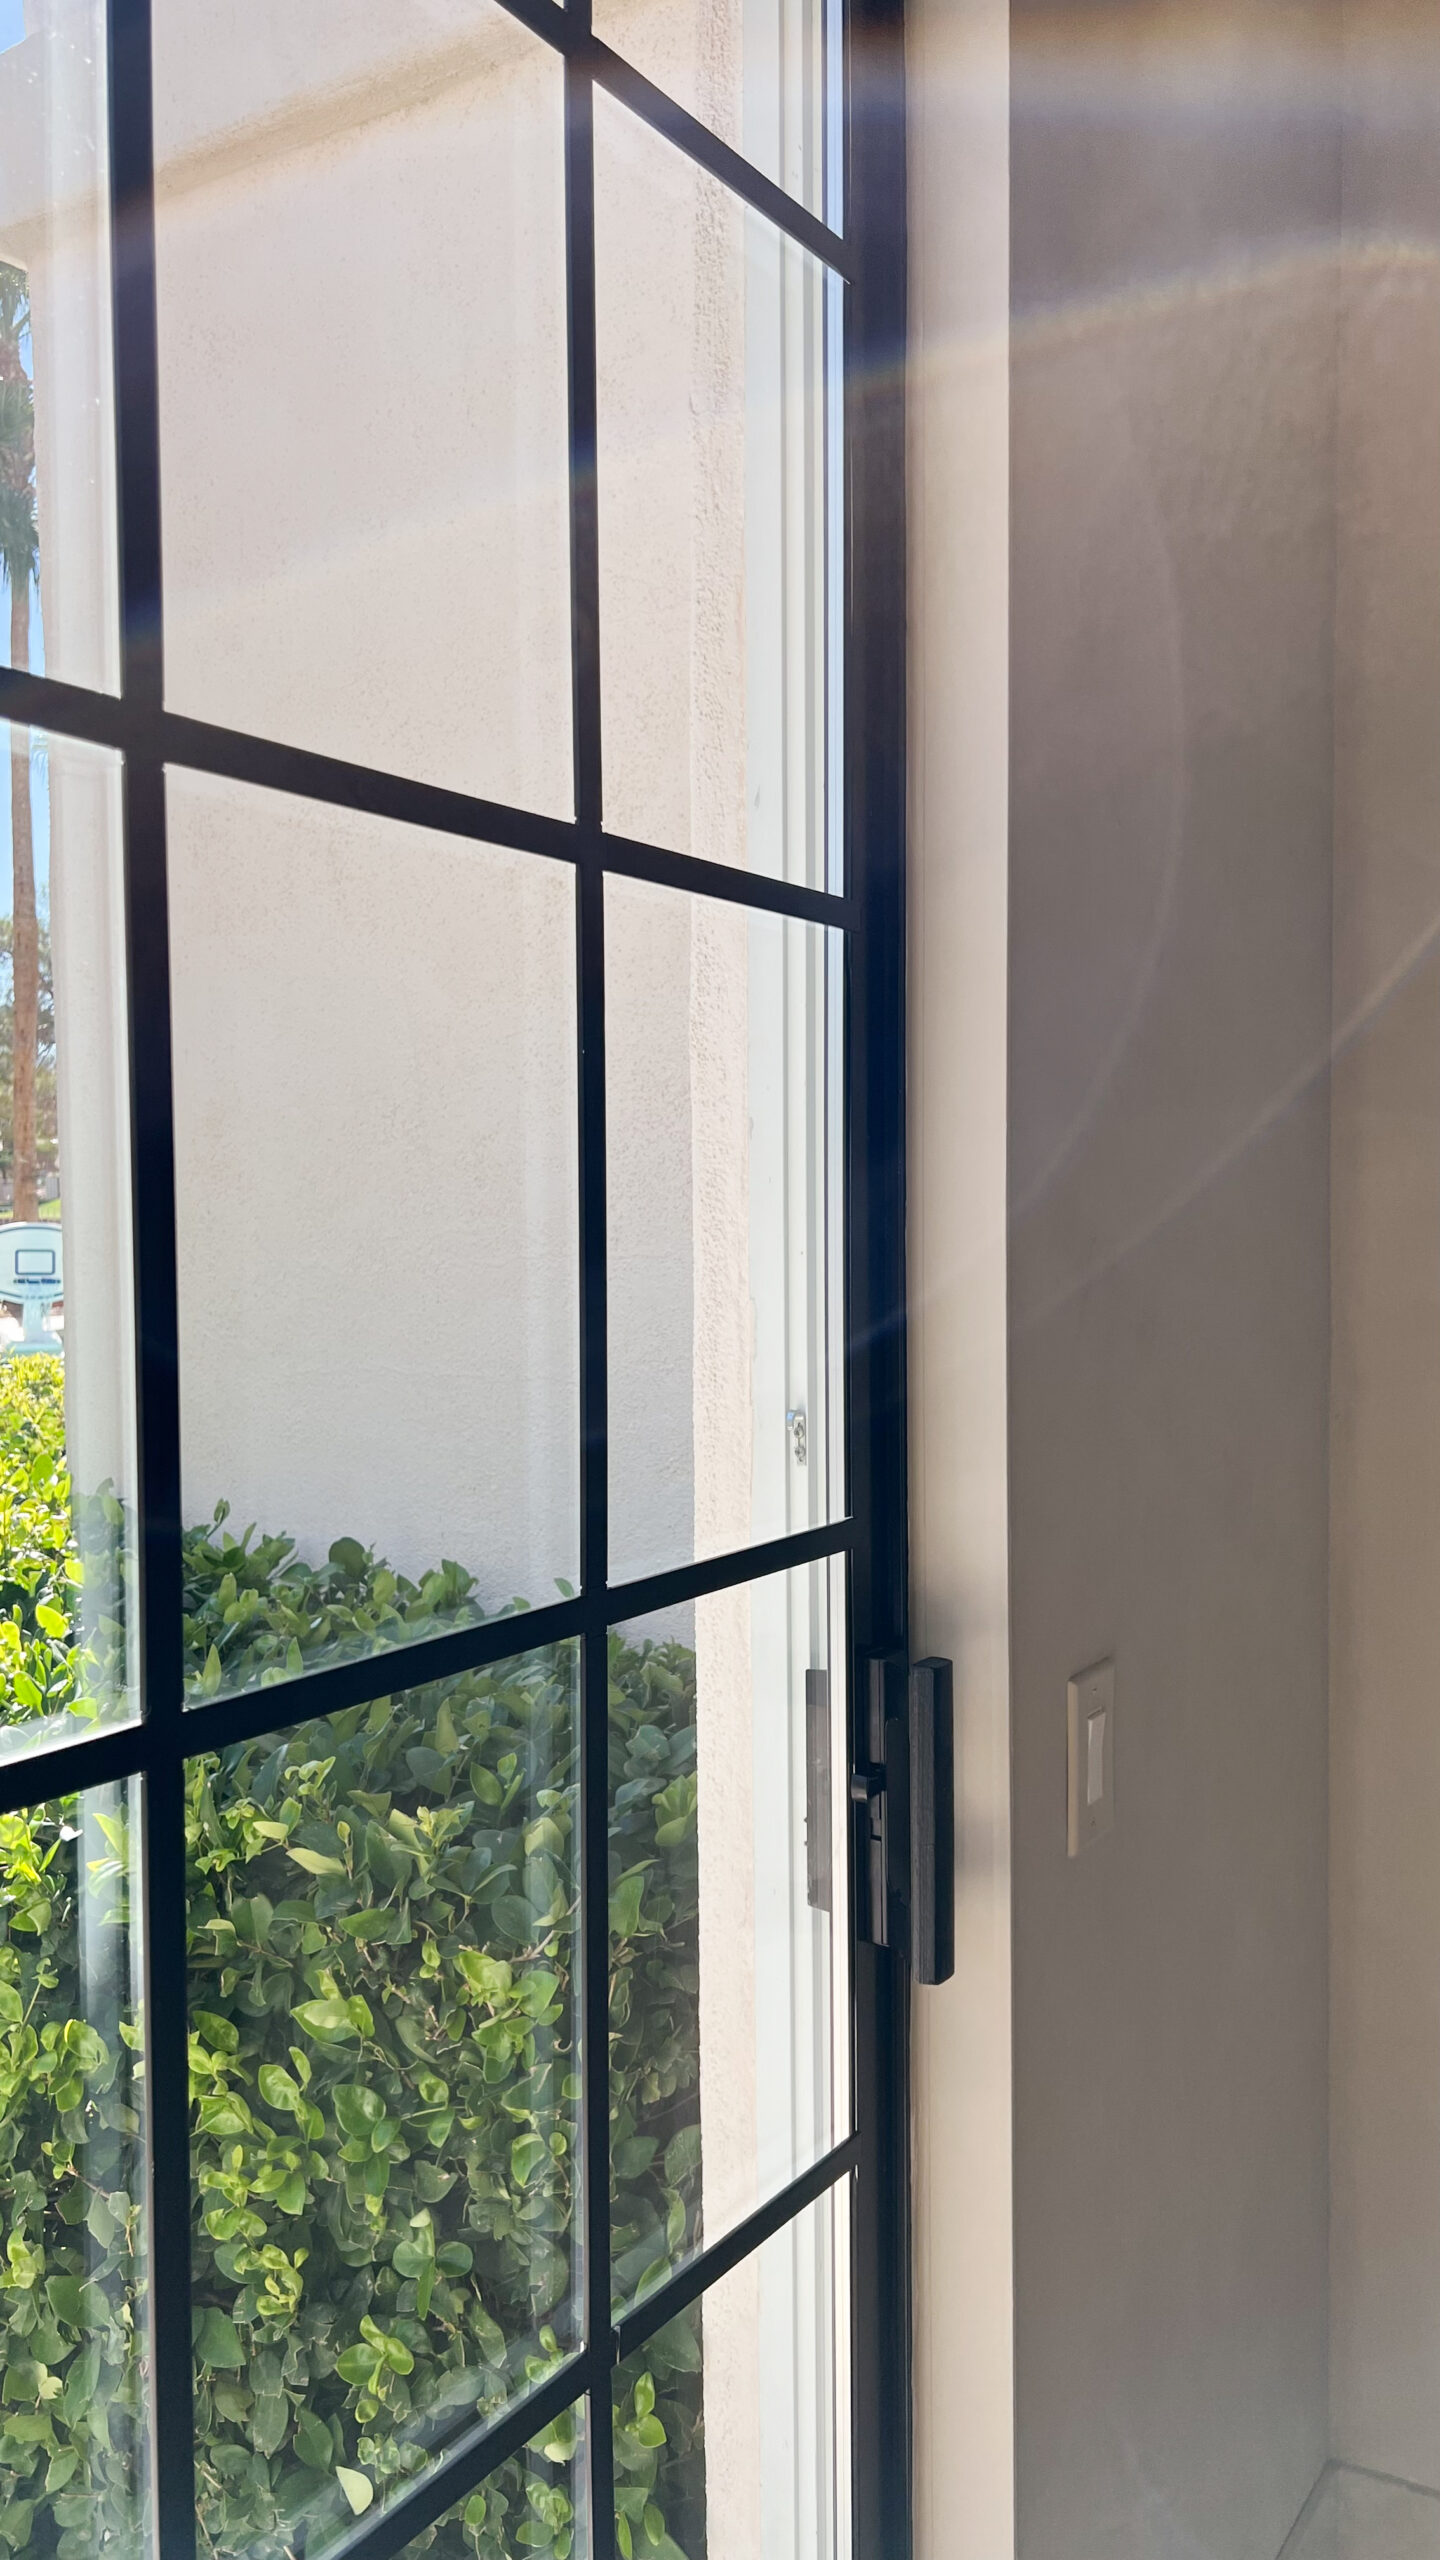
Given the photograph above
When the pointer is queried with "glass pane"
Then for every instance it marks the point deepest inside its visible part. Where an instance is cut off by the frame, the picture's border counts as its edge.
(363, 387)
(534, 2508)
(73, 2459)
(722, 1064)
(376, 1191)
(383, 2046)
(57, 519)
(729, 1980)
(714, 529)
(753, 70)
(730, 2424)
(67, 1420)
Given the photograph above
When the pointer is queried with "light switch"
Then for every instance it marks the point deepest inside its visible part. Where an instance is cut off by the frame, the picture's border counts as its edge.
(1095, 1756)
(1090, 1736)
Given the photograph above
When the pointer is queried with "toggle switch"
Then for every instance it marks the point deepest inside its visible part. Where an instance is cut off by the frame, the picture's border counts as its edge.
(1095, 1755)
(1090, 1737)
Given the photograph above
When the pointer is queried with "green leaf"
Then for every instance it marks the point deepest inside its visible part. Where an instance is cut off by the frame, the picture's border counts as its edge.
(625, 1901)
(217, 2342)
(488, 1976)
(633, 2158)
(537, 1989)
(316, 1865)
(675, 2348)
(329, 2021)
(63, 2295)
(358, 2489)
(29, 2426)
(359, 2366)
(682, 2155)
(359, 2111)
(528, 2153)
(269, 2421)
(313, 2441)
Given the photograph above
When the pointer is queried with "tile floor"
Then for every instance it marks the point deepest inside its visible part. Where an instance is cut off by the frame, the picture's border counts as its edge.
(1354, 2516)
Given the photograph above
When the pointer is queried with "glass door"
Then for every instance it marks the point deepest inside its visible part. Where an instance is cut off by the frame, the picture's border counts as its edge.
(452, 2057)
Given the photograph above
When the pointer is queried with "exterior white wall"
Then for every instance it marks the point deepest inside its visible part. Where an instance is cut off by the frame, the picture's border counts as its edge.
(376, 1190)
(372, 557)
(366, 552)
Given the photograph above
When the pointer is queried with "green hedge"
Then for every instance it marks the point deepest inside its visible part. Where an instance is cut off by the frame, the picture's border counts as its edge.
(383, 2059)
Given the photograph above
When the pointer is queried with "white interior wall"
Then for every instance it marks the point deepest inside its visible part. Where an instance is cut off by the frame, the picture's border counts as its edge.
(959, 424)
(1173, 199)
(1385, 1449)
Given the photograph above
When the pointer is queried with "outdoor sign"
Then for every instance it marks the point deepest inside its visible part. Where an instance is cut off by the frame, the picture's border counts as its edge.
(32, 1277)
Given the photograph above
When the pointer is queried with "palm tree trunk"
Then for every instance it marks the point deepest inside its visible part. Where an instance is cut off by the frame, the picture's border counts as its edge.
(25, 937)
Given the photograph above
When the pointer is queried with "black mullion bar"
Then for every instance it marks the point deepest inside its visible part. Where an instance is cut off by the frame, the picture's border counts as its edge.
(269, 764)
(679, 2291)
(595, 2067)
(702, 879)
(212, 1725)
(113, 1752)
(594, 1348)
(738, 175)
(875, 846)
(718, 1573)
(461, 2468)
(153, 1211)
(71, 710)
(34, 1777)
(272, 764)
(568, 29)
(584, 518)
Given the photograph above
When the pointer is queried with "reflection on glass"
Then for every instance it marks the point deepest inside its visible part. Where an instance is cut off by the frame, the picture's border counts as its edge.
(728, 1995)
(752, 70)
(67, 1431)
(714, 516)
(381, 1923)
(730, 2428)
(534, 2506)
(72, 2403)
(360, 243)
(722, 1055)
(376, 1199)
(57, 499)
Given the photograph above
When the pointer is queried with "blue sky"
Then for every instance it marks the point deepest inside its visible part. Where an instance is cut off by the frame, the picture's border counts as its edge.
(12, 23)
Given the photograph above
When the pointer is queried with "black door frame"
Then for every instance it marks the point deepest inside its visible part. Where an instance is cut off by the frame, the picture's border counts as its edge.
(870, 256)
(879, 1452)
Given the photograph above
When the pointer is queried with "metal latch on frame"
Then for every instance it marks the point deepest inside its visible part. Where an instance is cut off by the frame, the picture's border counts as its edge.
(902, 1801)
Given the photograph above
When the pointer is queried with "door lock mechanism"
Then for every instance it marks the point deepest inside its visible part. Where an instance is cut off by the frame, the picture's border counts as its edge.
(903, 1807)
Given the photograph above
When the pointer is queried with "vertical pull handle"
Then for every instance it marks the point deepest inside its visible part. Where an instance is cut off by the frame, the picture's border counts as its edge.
(932, 1820)
(818, 1800)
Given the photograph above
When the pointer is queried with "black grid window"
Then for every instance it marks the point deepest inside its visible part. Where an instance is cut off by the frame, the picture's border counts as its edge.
(865, 503)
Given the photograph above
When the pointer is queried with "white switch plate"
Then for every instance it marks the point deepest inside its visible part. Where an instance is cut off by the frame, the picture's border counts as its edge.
(1090, 1733)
